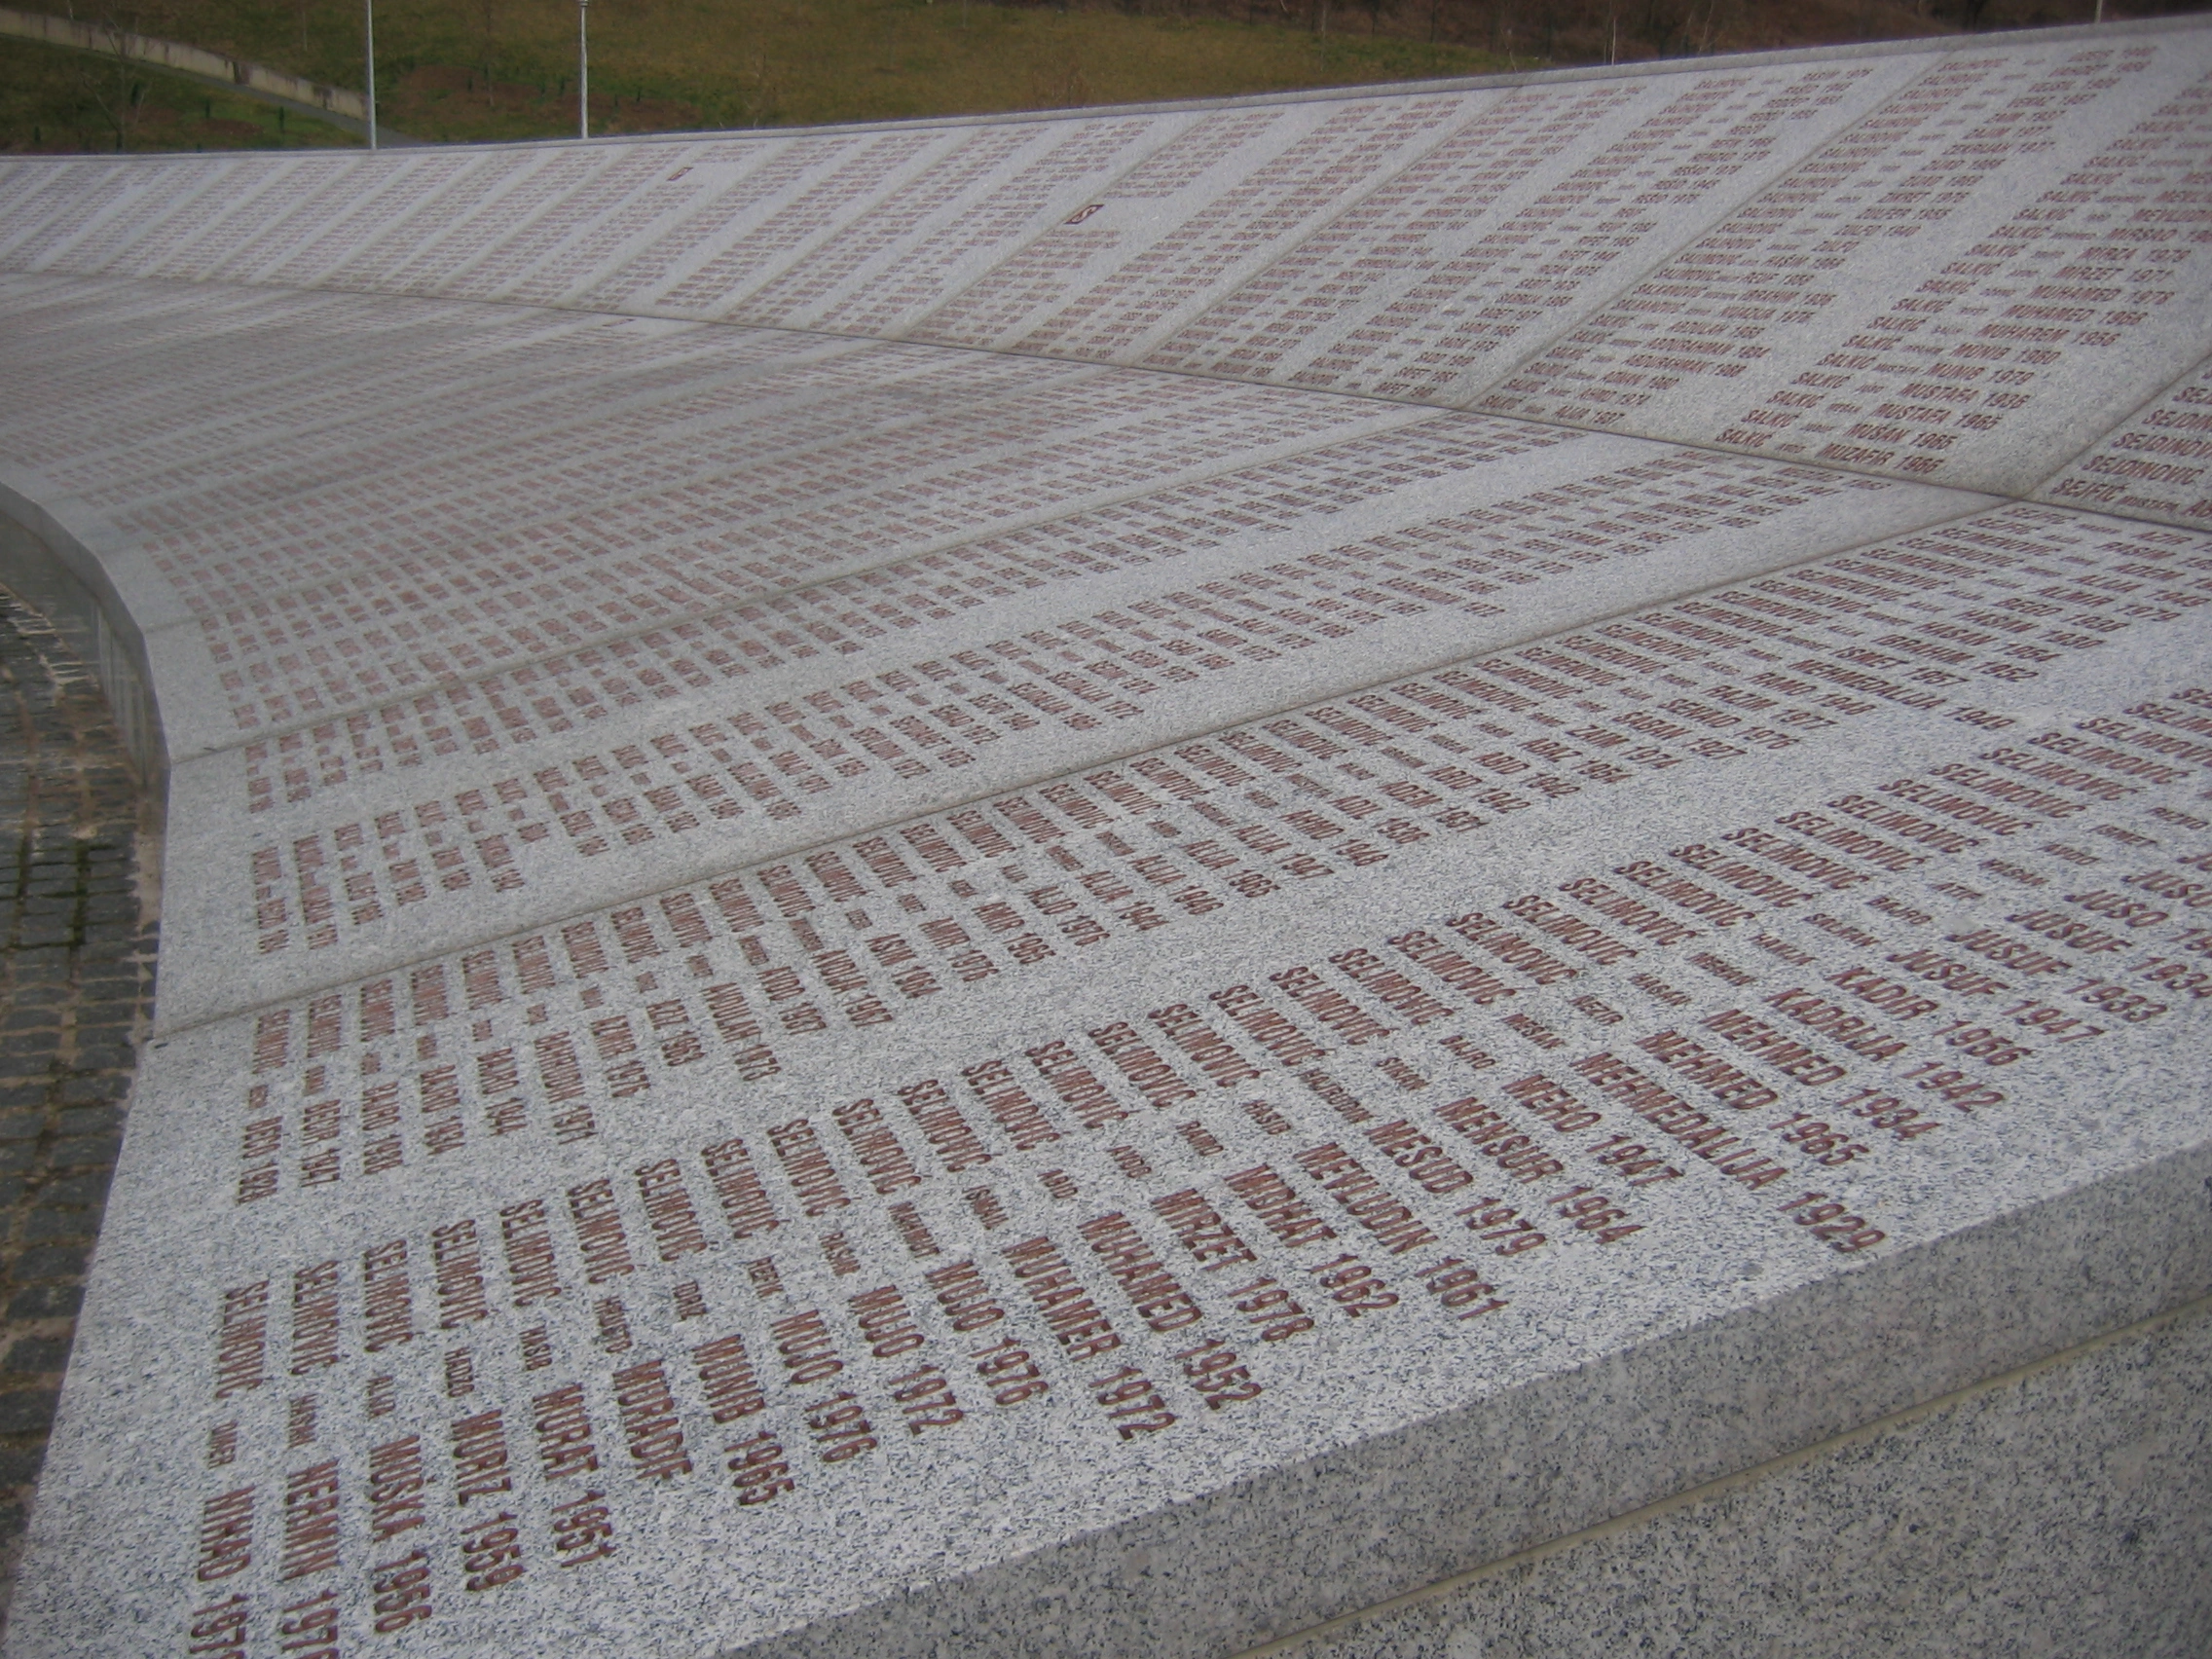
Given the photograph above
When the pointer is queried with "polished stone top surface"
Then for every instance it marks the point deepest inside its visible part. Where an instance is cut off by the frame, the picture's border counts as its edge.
(1102, 882)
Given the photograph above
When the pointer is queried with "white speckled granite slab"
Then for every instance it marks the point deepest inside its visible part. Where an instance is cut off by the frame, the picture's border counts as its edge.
(827, 991)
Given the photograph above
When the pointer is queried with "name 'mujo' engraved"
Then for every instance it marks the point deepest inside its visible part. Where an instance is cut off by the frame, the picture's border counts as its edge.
(967, 1299)
(226, 1536)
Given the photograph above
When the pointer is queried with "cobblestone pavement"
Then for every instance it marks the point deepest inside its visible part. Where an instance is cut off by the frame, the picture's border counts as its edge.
(77, 938)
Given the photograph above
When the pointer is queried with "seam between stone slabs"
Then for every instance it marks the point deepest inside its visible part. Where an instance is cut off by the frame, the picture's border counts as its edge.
(2198, 1308)
(1040, 780)
(1407, 90)
(1346, 207)
(2194, 366)
(924, 550)
(1641, 272)
(1703, 446)
(263, 734)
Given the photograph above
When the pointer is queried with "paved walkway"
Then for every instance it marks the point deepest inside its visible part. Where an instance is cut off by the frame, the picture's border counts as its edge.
(77, 938)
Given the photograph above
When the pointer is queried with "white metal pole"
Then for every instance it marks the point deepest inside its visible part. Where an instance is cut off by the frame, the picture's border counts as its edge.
(583, 70)
(372, 11)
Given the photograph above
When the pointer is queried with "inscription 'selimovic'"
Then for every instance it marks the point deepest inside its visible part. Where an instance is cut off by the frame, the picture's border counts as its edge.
(890, 848)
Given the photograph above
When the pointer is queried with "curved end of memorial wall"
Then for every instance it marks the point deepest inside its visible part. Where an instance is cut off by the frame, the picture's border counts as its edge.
(61, 580)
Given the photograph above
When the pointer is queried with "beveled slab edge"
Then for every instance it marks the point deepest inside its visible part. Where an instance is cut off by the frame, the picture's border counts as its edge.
(1271, 1557)
(64, 581)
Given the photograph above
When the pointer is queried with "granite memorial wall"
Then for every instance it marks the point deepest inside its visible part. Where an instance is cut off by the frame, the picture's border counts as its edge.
(1105, 882)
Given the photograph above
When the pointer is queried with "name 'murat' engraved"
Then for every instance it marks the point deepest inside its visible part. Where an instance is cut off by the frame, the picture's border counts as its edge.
(562, 1424)
(1271, 1198)
(479, 1448)
(649, 1423)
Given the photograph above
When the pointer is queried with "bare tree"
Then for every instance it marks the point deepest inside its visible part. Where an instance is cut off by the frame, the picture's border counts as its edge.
(110, 79)
(486, 20)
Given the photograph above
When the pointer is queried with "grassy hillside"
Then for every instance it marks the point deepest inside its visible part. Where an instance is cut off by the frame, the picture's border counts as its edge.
(479, 69)
(506, 68)
(52, 100)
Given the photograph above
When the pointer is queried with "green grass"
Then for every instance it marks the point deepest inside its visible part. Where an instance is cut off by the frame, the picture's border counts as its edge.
(663, 64)
(479, 69)
(487, 69)
(54, 99)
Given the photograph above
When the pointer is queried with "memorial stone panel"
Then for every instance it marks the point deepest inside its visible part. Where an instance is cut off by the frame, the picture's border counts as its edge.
(2046, 199)
(1104, 883)
(2153, 463)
